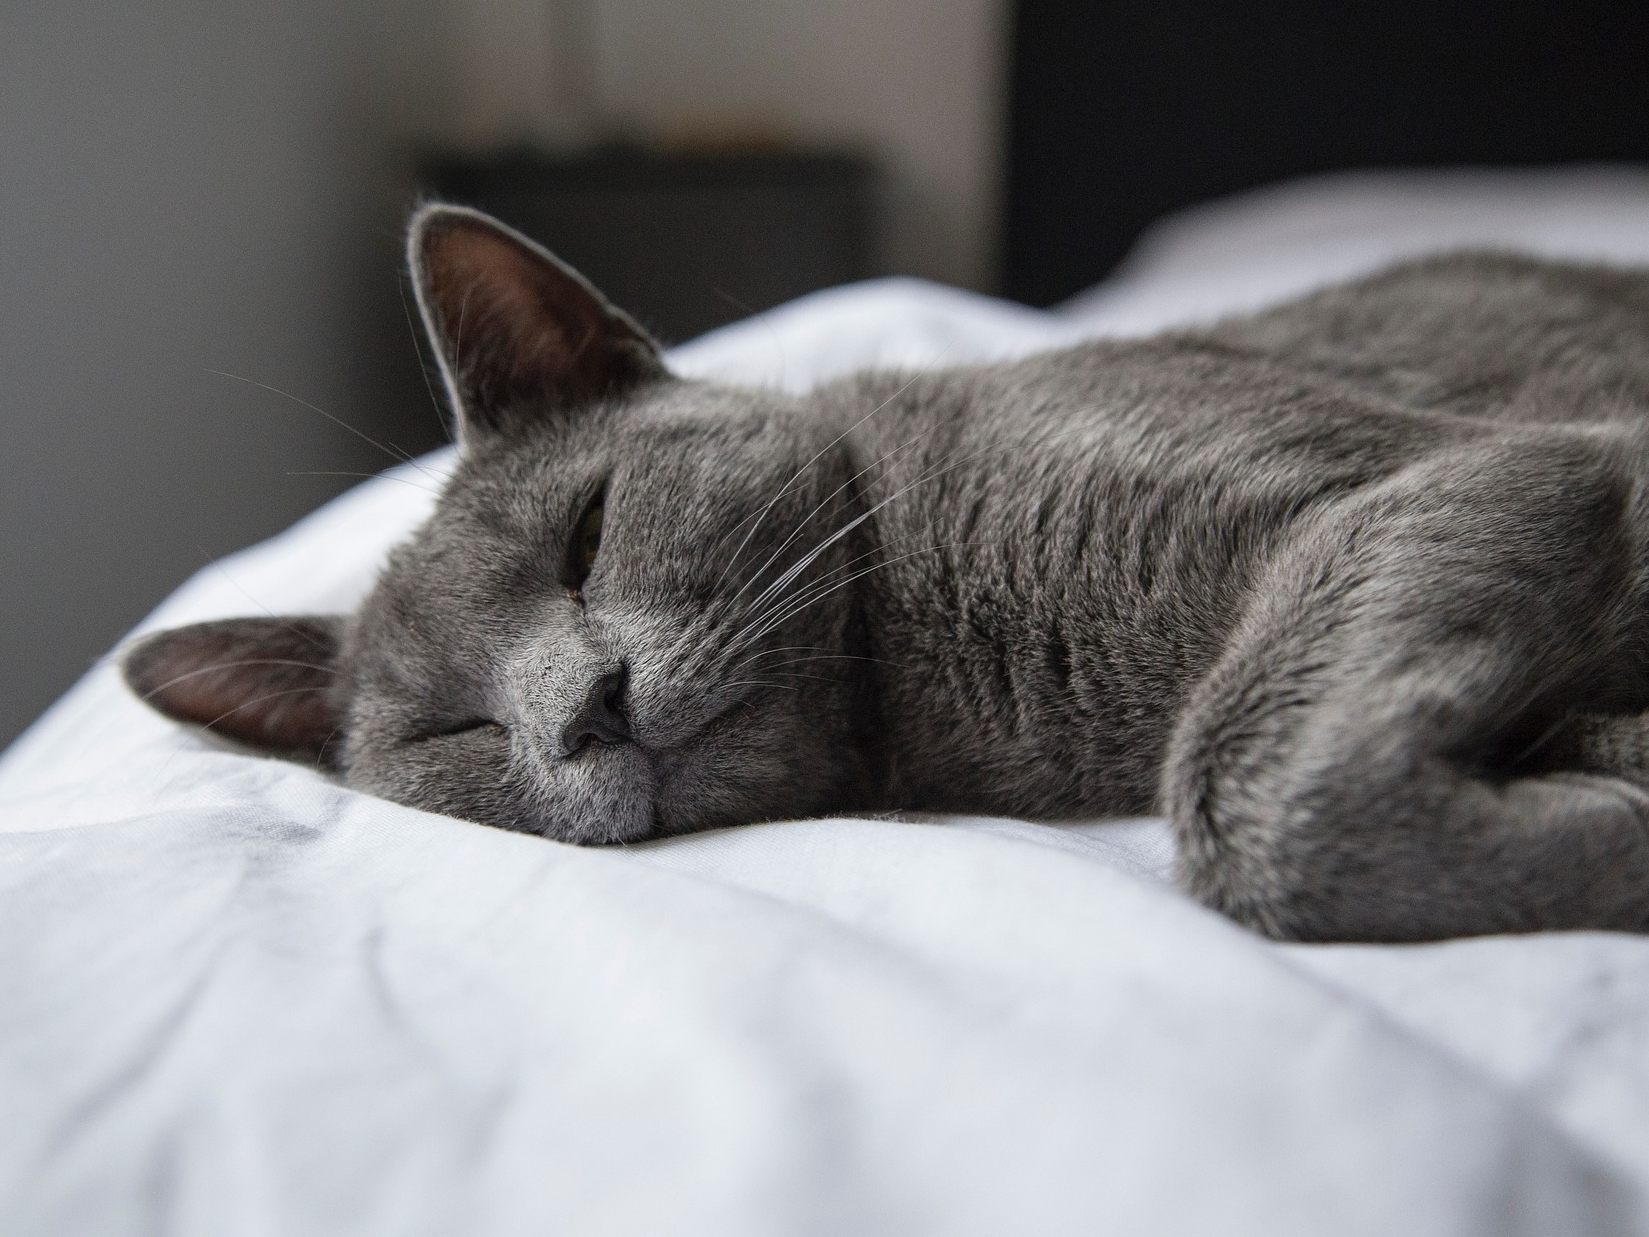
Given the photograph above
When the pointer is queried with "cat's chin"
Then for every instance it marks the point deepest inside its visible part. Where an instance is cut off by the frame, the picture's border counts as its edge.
(643, 824)
(613, 800)
(631, 794)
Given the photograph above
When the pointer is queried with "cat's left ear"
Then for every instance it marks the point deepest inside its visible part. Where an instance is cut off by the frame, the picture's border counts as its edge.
(521, 336)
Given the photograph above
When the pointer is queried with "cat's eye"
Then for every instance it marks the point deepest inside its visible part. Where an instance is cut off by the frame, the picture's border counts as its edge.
(586, 542)
(468, 726)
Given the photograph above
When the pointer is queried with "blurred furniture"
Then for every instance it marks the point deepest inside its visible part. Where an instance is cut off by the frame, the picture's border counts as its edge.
(684, 241)
(1121, 112)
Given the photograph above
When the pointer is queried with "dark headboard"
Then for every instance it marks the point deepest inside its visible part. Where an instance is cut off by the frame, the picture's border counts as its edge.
(1123, 110)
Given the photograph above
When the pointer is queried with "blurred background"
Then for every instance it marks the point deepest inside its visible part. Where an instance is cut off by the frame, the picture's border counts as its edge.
(200, 281)
(188, 187)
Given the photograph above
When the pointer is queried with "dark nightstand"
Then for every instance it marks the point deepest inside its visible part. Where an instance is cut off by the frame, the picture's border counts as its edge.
(684, 242)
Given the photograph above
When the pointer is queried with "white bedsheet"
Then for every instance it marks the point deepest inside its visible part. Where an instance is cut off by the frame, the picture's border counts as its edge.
(236, 998)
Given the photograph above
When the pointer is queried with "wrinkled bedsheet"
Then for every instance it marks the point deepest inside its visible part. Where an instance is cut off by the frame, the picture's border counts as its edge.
(237, 998)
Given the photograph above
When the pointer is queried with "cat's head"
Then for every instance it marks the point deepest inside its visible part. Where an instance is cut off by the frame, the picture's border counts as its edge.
(611, 626)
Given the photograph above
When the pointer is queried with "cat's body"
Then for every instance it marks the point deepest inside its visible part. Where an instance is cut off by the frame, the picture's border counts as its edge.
(1350, 589)
(1109, 510)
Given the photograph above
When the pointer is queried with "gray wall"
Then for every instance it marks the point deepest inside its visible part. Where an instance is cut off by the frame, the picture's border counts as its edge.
(186, 187)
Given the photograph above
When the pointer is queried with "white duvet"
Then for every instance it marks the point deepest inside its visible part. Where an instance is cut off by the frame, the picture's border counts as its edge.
(236, 998)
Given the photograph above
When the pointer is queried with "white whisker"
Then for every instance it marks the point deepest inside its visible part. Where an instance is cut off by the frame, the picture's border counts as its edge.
(390, 449)
(370, 476)
(822, 452)
(798, 605)
(234, 665)
(423, 368)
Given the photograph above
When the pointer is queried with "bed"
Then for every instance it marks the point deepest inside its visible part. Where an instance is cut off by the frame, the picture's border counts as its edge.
(239, 998)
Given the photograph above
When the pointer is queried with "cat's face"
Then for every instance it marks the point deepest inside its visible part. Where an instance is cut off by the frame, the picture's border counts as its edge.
(614, 625)
(568, 647)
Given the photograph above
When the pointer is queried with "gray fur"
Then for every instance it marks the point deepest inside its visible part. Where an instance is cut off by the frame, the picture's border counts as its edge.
(1354, 590)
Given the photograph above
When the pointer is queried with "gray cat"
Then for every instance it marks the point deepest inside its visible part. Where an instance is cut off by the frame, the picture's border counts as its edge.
(1354, 590)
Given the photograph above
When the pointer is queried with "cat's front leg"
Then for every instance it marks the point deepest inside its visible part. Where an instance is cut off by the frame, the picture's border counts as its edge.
(1371, 757)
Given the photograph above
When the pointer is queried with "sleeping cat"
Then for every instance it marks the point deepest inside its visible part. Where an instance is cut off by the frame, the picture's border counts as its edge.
(1354, 590)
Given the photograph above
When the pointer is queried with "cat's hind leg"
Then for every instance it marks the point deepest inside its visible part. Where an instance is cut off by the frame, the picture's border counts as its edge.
(1371, 758)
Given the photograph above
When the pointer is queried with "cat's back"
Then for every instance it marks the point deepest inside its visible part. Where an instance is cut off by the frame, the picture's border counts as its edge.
(1119, 419)
(1476, 333)
(1259, 415)
(1348, 380)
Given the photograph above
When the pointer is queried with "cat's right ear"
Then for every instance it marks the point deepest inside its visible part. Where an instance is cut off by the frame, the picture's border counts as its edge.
(520, 335)
(268, 683)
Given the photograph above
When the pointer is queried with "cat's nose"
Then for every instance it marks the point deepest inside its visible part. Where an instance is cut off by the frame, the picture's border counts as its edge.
(600, 719)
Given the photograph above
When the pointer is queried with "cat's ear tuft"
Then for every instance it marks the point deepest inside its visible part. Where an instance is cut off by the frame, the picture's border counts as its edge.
(267, 683)
(520, 335)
